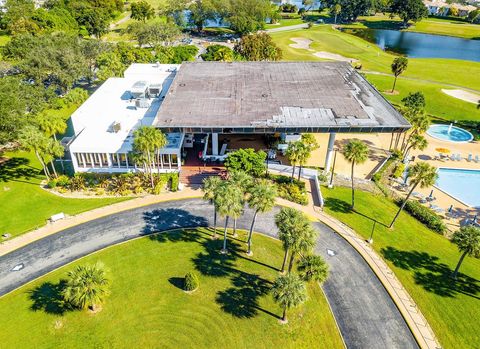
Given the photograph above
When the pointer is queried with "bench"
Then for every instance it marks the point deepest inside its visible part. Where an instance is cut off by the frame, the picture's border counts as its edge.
(57, 217)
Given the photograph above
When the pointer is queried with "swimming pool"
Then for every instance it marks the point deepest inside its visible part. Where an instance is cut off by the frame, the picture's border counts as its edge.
(462, 184)
(449, 133)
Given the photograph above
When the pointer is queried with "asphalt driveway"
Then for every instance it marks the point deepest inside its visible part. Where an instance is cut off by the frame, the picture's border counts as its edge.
(365, 313)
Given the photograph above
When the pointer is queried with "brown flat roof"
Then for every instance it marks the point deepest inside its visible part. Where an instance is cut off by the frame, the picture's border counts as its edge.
(275, 96)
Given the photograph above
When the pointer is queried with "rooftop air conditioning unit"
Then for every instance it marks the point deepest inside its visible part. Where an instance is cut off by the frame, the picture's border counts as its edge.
(115, 127)
(142, 103)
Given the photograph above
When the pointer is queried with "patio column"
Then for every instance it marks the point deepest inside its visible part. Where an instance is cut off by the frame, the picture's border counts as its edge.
(214, 143)
(329, 156)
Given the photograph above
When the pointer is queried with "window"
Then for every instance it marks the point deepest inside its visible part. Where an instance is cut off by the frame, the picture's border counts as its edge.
(174, 159)
(114, 158)
(123, 160)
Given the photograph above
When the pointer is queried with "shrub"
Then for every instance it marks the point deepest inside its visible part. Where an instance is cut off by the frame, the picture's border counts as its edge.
(399, 169)
(52, 183)
(174, 182)
(290, 190)
(246, 160)
(191, 282)
(77, 182)
(309, 25)
(426, 216)
(218, 53)
(63, 181)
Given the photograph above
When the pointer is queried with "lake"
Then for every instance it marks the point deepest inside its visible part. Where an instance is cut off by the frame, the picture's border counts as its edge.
(419, 45)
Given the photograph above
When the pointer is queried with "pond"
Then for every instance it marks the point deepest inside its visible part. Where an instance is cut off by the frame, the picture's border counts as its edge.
(299, 4)
(419, 45)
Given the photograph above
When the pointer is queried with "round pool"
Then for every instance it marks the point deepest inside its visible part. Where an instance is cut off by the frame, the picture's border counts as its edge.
(450, 133)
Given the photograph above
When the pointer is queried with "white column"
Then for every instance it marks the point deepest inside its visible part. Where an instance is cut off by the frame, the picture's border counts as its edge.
(214, 143)
(329, 156)
(109, 160)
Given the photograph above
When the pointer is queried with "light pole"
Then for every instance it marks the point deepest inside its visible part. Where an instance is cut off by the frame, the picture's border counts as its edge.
(330, 185)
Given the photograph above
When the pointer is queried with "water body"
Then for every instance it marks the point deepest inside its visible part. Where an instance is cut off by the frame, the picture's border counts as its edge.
(298, 3)
(419, 45)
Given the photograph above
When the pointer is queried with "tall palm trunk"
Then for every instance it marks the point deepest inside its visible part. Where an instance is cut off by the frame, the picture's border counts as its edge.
(149, 158)
(214, 221)
(284, 316)
(292, 260)
(293, 171)
(403, 204)
(353, 186)
(284, 260)
(52, 164)
(455, 273)
(45, 169)
(225, 235)
(250, 233)
(394, 83)
(234, 227)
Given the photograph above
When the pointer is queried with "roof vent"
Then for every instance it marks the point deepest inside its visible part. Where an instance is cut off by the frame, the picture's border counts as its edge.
(115, 127)
(142, 103)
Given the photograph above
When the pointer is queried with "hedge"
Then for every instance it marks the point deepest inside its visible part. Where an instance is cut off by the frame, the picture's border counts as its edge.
(425, 215)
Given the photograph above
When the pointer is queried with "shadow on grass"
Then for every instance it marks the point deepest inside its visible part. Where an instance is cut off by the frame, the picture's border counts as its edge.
(431, 274)
(48, 298)
(16, 169)
(342, 206)
(242, 300)
(178, 282)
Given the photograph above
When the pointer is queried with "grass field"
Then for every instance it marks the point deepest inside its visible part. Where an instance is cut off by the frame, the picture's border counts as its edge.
(439, 26)
(430, 75)
(147, 309)
(285, 23)
(26, 206)
(422, 260)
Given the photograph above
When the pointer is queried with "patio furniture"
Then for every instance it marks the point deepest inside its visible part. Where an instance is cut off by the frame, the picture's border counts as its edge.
(459, 157)
(452, 157)
(470, 157)
(477, 159)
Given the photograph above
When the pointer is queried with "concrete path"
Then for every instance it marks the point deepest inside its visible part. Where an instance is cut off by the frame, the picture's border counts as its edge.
(366, 314)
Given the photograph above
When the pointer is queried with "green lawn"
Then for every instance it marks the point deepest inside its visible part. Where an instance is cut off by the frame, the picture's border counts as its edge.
(26, 206)
(439, 26)
(147, 308)
(285, 23)
(422, 260)
(431, 73)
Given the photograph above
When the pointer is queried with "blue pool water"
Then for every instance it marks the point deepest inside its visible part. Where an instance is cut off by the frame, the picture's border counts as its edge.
(456, 134)
(461, 184)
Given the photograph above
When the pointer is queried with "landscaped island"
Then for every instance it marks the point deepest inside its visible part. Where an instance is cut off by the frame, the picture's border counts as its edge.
(147, 306)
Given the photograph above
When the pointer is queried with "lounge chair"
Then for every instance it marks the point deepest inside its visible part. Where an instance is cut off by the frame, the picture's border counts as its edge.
(452, 157)
(470, 158)
(477, 159)
(459, 157)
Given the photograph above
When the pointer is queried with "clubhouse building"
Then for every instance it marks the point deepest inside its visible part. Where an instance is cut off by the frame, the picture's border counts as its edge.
(206, 109)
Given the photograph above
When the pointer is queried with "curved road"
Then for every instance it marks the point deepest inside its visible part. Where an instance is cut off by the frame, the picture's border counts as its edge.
(365, 313)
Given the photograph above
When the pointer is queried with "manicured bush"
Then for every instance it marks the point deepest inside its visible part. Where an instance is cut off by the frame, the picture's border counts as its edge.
(426, 216)
(52, 183)
(174, 182)
(63, 181)
(247, 160)
(191, 282)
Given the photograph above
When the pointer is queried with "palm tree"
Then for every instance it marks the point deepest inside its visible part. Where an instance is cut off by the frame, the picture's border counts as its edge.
(313, 267)
(293, 154)
(87, 286)
(32, 139)
(52, 150)
(148, 140)
(289, 291)
(261, 199)
(307, 145)
(51, 124)
(336, 10)
(416, 141)
(284, 220)
(421, 174)
(244, 181)
(467, 240)
(420, 124)
(303, 240)
(210, 188)
(356, 152)
(399, 65)
(229, 202)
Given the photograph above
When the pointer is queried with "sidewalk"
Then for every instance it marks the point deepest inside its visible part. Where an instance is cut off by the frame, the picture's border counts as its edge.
(414, 318)
(70, 221)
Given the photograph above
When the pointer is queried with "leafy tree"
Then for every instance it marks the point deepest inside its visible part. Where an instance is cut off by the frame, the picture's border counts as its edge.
(467, 240)
(55, 19)
(176, 54)
(218, 53)
(453, 11)
(246, 16)
(261, 200)
(51, 124)
(174, 11)
(308, 4)
(147, 141)
(246, 160)
(229, 202)
(142, 10)
(350, 9)
(109, 65)
(399, 65)
(76, 96)
(17, 16)
(415, 101)
(96, 21)
(421, 174)
(258, 47)
(409, 10)
(289, 291)
(356, 152)
(474, 16)
(154, 34)
(336, 10)
(210, 189)
(313, 268)
(87, 286)
(201, 11)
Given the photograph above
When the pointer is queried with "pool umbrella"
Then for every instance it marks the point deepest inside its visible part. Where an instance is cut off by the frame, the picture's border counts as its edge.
(431, 195)
(443, 150)
(450, 209)
(475, 219)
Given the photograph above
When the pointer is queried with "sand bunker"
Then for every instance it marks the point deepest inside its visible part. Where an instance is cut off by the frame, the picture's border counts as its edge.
(304, 44)
(301, 43)
(334, 56)
(463, 95)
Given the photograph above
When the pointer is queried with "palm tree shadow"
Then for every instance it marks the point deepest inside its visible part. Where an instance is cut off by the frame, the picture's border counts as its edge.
(370, 218)
(211, 262)
(338, 205)
(48, 298)
(171, 218)
(432, 275)
(242, 300)
(18, 170)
